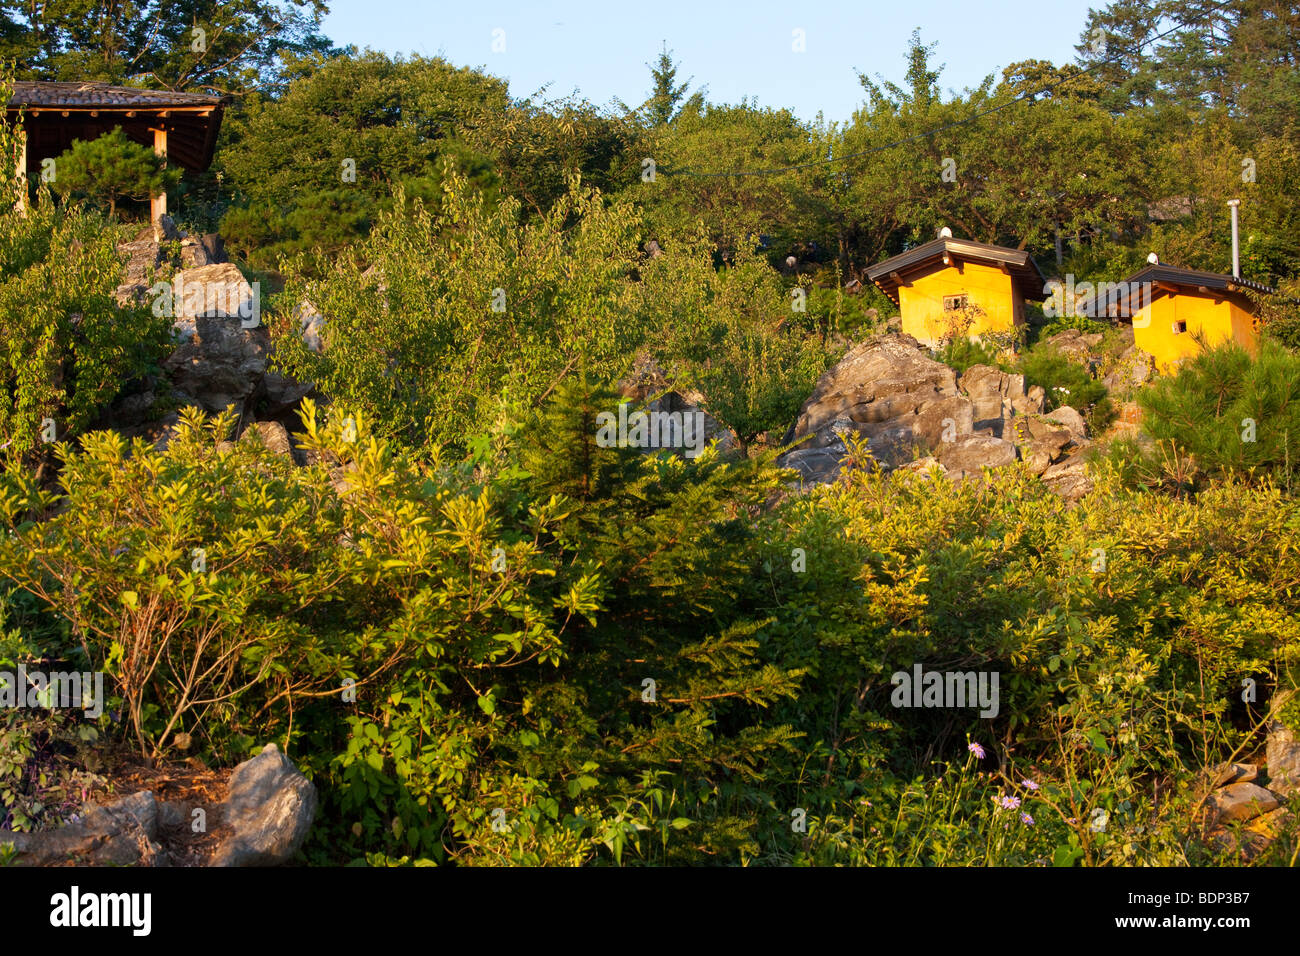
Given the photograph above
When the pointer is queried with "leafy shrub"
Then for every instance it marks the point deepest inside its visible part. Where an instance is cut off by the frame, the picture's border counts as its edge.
(757, 379)
(1066, 382)
(423, 343)
(66, 345)
(962, 353)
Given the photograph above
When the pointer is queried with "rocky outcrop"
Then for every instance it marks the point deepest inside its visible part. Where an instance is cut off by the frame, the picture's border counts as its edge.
(906, 406)
(1076, 345)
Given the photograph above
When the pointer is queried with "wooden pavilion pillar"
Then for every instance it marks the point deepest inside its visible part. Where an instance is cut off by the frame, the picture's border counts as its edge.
(158, 203)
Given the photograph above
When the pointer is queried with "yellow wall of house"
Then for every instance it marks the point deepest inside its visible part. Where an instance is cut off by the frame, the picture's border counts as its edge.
(989, 288)
(1216, 319)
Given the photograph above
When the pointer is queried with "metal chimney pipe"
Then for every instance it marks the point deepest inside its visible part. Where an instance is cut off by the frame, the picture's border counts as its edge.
(1236, 243)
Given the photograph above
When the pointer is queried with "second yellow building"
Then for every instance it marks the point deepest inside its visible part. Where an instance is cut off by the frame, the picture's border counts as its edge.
(1175, 312)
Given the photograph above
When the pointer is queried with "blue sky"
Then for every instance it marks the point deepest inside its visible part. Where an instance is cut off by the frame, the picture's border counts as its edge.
(735, 49)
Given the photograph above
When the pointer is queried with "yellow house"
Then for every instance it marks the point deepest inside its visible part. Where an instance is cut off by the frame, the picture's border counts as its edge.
(951, 287)
(1176, 311)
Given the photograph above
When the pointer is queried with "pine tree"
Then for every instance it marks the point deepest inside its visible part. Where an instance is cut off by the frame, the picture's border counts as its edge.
(112, 168)
(661, 108)
(674, 542)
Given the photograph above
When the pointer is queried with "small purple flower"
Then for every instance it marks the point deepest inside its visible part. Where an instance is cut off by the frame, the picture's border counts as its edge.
(1029, 784)
(1026, 819)
(976, 749)
(1009, 803)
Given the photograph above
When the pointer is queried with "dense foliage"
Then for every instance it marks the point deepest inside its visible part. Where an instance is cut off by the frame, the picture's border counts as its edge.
(491, 638)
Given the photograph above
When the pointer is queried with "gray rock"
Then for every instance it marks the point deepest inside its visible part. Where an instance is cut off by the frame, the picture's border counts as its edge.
(206, 250)
(1241, 801)
(1283, 753)
(1038, 456)
(269, 808)
(943, 422)
(1071, 419)
(222, 351)
(970, 455)
(1075, 345)
(214, 291)
(272, 435)
(220, 364)
(117, 834)
(1069, 478)
(1226, 773)
(876, 369)
(815, 465)
(995, 395)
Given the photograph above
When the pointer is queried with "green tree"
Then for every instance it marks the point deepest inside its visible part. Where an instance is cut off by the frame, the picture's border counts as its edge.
(227, 46)
(665, 94)
(111, 168)
(314, 166)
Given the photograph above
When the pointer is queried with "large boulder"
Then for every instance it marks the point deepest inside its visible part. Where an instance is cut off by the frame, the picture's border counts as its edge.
(889, 372)
(219, 363)
(1283, 753)
(223, 349)
(213, 291)
(998, 397)
(121, 833)
(971, 454)
(893, 395)
(267, 812)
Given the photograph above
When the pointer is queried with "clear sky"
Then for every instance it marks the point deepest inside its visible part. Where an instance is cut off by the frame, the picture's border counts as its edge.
(736, 49)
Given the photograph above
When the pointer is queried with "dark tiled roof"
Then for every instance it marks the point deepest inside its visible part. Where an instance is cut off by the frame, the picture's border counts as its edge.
(1131, 299)
(101, 96)
(1017, 261)
(1194, 278)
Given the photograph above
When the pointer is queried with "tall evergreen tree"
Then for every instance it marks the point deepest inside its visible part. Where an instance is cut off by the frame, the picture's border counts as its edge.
(665, 95)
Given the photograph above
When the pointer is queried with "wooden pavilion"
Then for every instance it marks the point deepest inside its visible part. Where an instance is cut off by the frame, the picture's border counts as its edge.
(180, 126)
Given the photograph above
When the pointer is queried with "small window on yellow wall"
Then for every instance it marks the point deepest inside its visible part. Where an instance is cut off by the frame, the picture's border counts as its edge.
(954, 303)
(1180, 327)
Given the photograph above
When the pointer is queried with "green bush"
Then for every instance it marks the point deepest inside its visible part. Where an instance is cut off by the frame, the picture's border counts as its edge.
(961, 353)
(66, 346)
(565, 653)
(1067, 382)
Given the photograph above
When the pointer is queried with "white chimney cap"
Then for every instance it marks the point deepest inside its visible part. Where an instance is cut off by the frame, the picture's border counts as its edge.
(1153, 259)
(945, 233)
